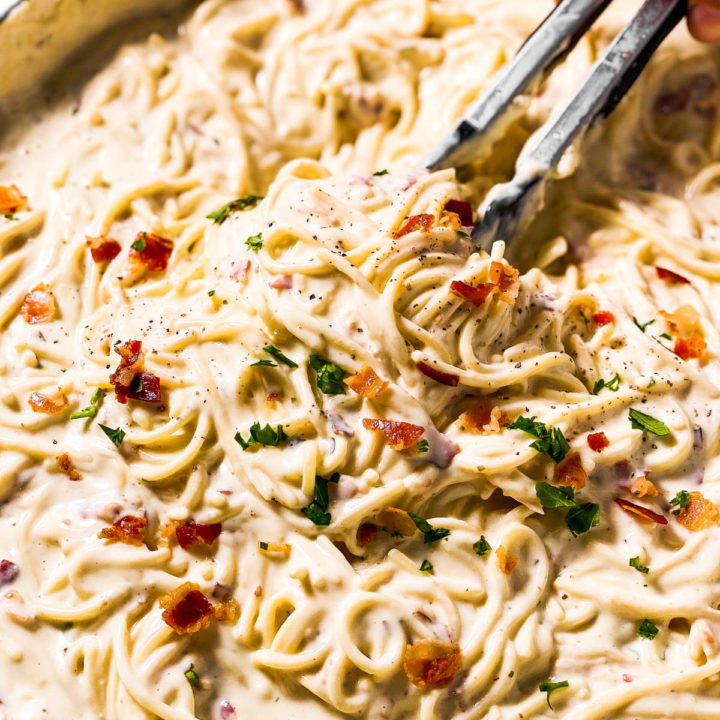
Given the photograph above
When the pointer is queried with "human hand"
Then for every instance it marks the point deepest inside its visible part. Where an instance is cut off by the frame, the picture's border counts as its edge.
(704, 20)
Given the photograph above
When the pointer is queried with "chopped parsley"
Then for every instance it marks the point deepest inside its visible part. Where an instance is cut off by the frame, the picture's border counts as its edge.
(681, 499)
(378, 173)
(211, 293)
(550, 687)
(430, 534)
(635, 563)
(263, 363)
(550, 441)
(117, 435)
(482, 547)
(329, 376)
(426, 566)
(613, 384)
(141, 242)
(422, 446)
(91, 410)
(641, 421)
(665, 336)
(255, 242)
(9, 216)
(580, 518)
(263, 545)
(317, 510)
(555, 497)
(647, 630)
(642, 326)
(248, 202)
(267, 435)
(192, 677)
(279, 356)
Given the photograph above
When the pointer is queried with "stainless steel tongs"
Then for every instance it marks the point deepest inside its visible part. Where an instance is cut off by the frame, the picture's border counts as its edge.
(511, 204)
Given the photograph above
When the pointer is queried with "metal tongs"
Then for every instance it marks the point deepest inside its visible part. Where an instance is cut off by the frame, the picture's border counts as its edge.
(511, 205)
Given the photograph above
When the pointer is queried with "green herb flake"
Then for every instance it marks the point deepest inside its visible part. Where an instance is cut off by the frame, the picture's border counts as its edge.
(641, 421)
(665, 336)
(583, 518)
(422, 446)
(255, 242)
(248, 202)
(192, 677)
(10, 217)
(550, 441)
(635, 563)
(268, 436)
(550, 687)
(317, 510)
(430, 534)
(263, 363)
(681, 499)
(613, 384)
(263, 545)
(426, 566)
(482, 547)
(379, 173)
(280, 356)
(117, 435)
(91, 410)
(211, 293)
(642, 326)
(555, 497)
(140, 243)
(329, 376)
(647, 630)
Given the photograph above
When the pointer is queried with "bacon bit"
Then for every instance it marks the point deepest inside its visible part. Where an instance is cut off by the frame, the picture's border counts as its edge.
(39, 305)
(642, 512)
(462, 209)
(367, 383)
(507, 279)
(167, 533)
(684, 321)
(450, 220)
(366, 533)
(570, 472)
(242, 273)
(399, 435)
(415, 222)
(603, 317)
(103, 249)
(272, 398)
(155, 251)
(258, 591)
(149, 388)
(642, 487)
(438, 375)
(65, 464)
(128, 529)
(431, 664)
(227, 611)
(8, 572)
(129, 379)
(671, 276)
(476, 295)
(597, 441)
(191, 534)
(50, 406)
(284, 282)
(506, 562)
(395, 520)
(692, 347)
(483, 419)
(11, 200)
(275, 549)
(626, 678)
(186, 610)
(698, 514)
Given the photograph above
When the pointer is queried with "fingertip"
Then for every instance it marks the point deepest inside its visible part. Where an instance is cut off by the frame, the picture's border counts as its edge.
(704, 23)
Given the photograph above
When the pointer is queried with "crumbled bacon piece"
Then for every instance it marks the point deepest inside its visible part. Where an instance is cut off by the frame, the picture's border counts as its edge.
(431, 664)
(8, 572)
(186, 610)
(415, 222)
(671, 276)
(698, 514)
(65, 464)
(642, 487)
(227, 611)
(39, 305)
(506, 562)
(242, 272)
(597, 441)
(129, 379)
(684, 321)
(366, 533)
(50, 406)
(438, 375)
(399, 435)
(642, 512)
(103, 249)
(507, 280)
(483, 419)
(450, 220)
(462, 209)
(284, 282)
(191, 534)
(475, 294)
(154, 253)
(144, 387)
(128, 529)
(275, 548)
(603, 317)
(367, 383)
(692, 347)
(396, 521)
(570, 472)
(11, 200)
